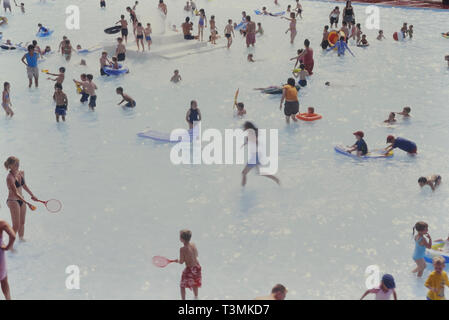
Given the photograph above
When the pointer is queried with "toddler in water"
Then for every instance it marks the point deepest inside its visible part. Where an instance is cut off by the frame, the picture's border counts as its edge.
(433, 181)
(130, 102)
(188, 254)
(381, 35)
(384, 290)
(391, 118)
(176, 77)
(421, 243)
(363, 42)
(437, 280)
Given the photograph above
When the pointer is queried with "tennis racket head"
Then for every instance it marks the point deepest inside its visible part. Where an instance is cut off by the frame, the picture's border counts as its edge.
(160, 262)
(53, 205)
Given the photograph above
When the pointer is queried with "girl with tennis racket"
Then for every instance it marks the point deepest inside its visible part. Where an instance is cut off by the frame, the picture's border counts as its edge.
(16, 202)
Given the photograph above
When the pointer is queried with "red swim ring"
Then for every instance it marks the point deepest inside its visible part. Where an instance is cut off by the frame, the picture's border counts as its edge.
(309, 116)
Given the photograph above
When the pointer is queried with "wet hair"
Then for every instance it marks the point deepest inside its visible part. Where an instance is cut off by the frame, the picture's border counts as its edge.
(408, 109)
(292, 15)
(139, 24)
(212, 17)
(30, 47)
(311, 109)
(248, 18)
(229, 21)
(122, 16)
(381, 31)
(58, 86)
(10, 162)
(264, 8)
(420, 226)
(327, 83)
(119, 89)
(249, 125)
(39, 24)
(326, 27)
(438, 260)
(89, 76)
(192, 103)
(302, 66)
(5, 84)
(279, 288)
(358, 25)
(187, 19)
(186, 235)
(307, 42)
(119, 39)
(240, 105)
(34, 42)
(104, 52)
(176, 71)
(422, 180)
(128, 8)
(291, 81)
(62, 69)
(83, 75)
(300, 51)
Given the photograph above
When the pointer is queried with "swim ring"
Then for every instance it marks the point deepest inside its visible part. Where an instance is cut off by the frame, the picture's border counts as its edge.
(113, 30)
(437, 250)
(309, 116)
(41, 34)
(115, 72)
(5, 46)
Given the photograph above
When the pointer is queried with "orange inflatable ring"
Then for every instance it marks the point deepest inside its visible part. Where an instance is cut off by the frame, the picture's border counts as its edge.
(334, 36)
(309, 116)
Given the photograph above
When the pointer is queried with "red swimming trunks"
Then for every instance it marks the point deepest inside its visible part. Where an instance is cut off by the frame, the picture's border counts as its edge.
(250, 39)
(191, 277)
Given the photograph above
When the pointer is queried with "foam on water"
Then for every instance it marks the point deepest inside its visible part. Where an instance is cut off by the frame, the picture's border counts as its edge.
(124, 202)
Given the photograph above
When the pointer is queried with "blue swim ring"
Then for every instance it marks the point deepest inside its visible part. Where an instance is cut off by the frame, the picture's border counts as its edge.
(41, 34)
(115, 72)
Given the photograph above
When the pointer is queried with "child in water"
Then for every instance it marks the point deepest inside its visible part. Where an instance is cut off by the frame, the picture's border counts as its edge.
(447, 59)
(381, 35)
(410, 31)
(385, 289)
(391, 118)
(193, 114)
(433, 181)
(250, 58)
(6, 100)
(130, 102)
(363, 42)
(405, 112)
(325, 41)
(188, 254)
(176, 77)
(421, 243)
(437, 280)
(341, 47)
(302, 73)
(61, 102)
(360, 145)
(240, 109)
(59, 77)
(259, 29)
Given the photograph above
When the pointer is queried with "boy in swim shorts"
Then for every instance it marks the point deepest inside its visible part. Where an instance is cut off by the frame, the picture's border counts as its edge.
(89, 88)
(229, 32)
(148, 32)
(302, 73)
(360, 145)
(188, 254)
(104, 61)
(433, 181)
(59, 77)
(401, 143)
(61, 102)
(130, 102)
(120, 51)
(124, 27)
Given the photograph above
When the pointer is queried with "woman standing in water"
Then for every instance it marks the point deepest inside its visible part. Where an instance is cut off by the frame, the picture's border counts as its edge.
(253, 142)
(16, 202)
(292, 27)
(4, 226)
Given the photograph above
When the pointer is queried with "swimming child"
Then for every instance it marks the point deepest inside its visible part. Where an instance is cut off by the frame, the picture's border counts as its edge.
(410, 31)
(188, 254)
(437, 280)
(120, 51)
(302, 74)
(433, 181)
(42, 28)
(202, 23)
(115, 64)
(279, 292)
(252, 140)
(124, 27)
(401, 143)
(325, 41)
(130, 102)
(6, 100)
(240, 109)
(148, 32)
(341, 47)
(292, 26)
(259, 29)
(61, 102)
(104, 61)
(250, 58)
(59, 77)
(405, 112)
(360, 145)
(385, 289)
(421, 243)
(139, 36)
(381, 35)
(229, 32)
(176, 76)
(391, 118)
(193, 114)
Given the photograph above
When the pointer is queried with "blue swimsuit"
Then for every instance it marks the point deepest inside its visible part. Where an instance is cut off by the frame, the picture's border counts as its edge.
(419, 250)
(341, 47)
